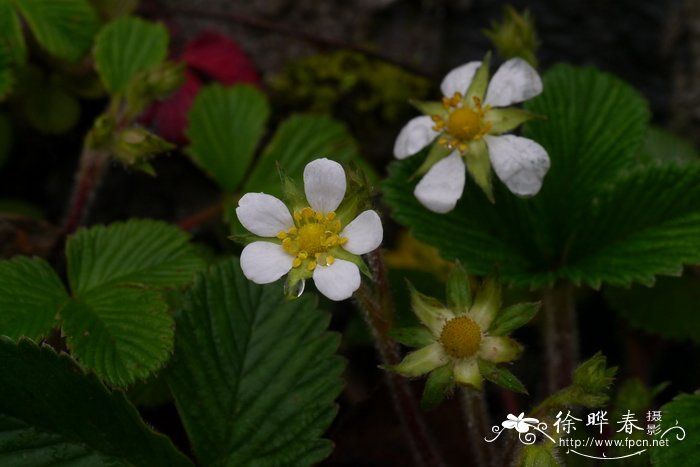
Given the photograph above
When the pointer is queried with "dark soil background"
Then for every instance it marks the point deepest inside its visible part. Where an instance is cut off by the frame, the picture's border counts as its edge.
(654, 45)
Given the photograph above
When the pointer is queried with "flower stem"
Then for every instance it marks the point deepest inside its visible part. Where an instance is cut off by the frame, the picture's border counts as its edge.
(478, 426)
(561, 335)
(378, 312)
(200, 217)
(92, 165)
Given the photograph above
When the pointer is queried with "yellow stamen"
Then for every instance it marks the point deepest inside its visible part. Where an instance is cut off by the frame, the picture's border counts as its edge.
(312, 265)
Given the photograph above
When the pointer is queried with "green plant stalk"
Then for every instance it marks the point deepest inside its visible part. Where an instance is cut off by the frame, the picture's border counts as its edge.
(560, 334)
(478, 426)
(378, 313)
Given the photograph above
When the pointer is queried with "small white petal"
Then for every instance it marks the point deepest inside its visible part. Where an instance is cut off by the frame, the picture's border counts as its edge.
(443, 185)
(265, 262)
(364, 233)
(263, 215)
(466, 373)
(459, 79)
(337, 281)
(422, 361)
(515, 81)
(324, 184)
(499, 349)
(414, 136)
(519, 162)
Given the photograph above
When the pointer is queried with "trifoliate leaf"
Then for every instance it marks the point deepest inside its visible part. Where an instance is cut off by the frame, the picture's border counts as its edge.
(683, 445)
(500, 376)
(299, 140)
(669, 308)
(52, 413)
(31, 295)
(122, 333)
(254, 376)
(225, 126)
(138, 253)
(513, 317)
(65, 28)
(602, 215)
(126, 47)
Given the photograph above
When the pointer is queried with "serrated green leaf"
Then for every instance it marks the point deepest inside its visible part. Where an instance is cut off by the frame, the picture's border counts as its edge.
(254, 376)
(513, 317)
(65, 28)
(126, 47)
(437, 386)
(52, 413)
(122, 333)
(500, 376)
(141, 253)
(669, 308)
(685, 409)
(602, 216)
(31, 294)
(297, 141)
(414, 336)
(224, 128)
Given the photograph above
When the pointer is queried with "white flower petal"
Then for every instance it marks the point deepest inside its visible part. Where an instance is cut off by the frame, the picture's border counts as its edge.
(364, 233)
(324, 184)
(414, 136)
(443, 185)
(459, 79)
(337, 281)
(515, 81)
(265, 262)
(263, 215)
(519, 162)
(467, 373)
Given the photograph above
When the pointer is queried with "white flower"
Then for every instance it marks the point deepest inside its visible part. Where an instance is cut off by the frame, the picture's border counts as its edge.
(311, 241)
(520, 423)
(469, 127)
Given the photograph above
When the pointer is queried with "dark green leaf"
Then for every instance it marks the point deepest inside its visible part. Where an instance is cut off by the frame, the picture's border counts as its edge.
(31, 295)
(660, 146)
(122, 333)
(670, 308)
(500, 376)
(685, 410)
(437, 386)
(51, 110)
(126, 47)
(513, 317)
(414, 336)
(52, 413)
(141, 253)
(65, 28)
(299, 140)
(254, 376)
(225, 126)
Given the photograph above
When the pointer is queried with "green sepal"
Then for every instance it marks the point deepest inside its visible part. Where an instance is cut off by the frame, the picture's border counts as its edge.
(593, 375)
(437, 153)
(145, 167)
(429, 107)
(480, 83)
(500, 376)
(512, 318)
(135, 145)
(437, 387)
(412, 336)
(153, 84)
(479, 167)
(292, 291)
(340, 253)
(507, 119)
(294, 197)
(459, 292)
(357, 194)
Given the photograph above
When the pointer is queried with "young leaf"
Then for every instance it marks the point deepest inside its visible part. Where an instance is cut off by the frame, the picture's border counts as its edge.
(254, 376)
(684, 411)
(122, 333)
(602, 216)
(65, 28)
(225, 126)
(126, 47)
(140, 253)
(52, 413)
(670, 308)
(31, 294)
(297, 141)
(500, 376)
(513, 317)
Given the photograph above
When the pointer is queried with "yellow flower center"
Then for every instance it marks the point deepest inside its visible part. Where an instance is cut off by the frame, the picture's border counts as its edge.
(464, 123)
(311, 238)
(461, 337)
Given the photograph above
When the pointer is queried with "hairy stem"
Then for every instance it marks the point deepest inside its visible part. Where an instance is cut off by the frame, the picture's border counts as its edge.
(201, 217)
(478, 426)
(378, 312)
(93, 163)
(561, 335)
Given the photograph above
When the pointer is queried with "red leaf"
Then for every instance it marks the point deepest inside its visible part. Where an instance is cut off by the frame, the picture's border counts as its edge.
(218, 57)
